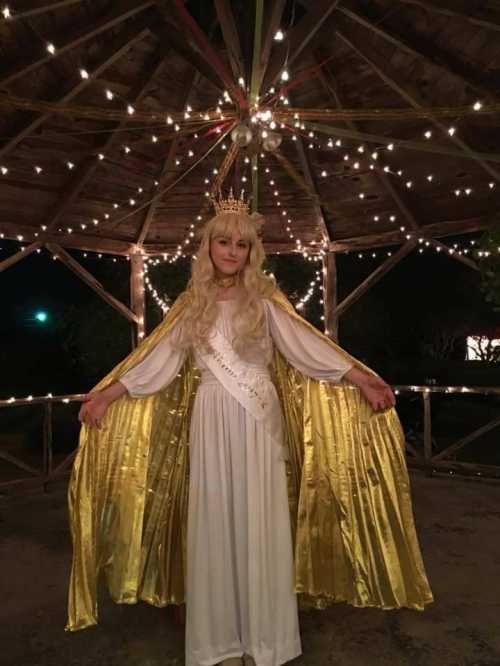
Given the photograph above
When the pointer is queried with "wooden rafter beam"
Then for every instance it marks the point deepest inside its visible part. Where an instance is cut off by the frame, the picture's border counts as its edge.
(463, 9)
(328, 83)
(298, 38)
(79, 37)
(76, 241)
(112, 52)
(392, 78)
(231, 37)
(396, 237)
(272, 21)
(311, 182)
(374, 277)
(205, 47)
(113, 246)
(19, 256)
(415, 45)
(257, 47)
(90, 280)
(42, 9)
(152, 68)
(384, 140)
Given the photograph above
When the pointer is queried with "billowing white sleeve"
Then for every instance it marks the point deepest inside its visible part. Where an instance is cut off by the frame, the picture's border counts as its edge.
(157, 369)
(303, 349)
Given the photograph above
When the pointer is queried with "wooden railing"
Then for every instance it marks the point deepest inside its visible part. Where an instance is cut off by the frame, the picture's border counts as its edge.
(419, 447)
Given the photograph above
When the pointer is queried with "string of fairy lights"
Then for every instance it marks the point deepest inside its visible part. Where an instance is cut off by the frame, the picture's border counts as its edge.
(271, 114)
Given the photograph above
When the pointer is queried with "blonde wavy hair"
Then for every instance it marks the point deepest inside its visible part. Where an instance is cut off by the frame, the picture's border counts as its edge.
(201, 309)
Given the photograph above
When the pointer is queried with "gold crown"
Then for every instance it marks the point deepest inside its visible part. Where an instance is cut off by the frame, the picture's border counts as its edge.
(231, 205)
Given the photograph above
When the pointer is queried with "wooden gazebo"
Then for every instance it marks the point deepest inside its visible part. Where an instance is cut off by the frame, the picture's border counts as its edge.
(352, 124)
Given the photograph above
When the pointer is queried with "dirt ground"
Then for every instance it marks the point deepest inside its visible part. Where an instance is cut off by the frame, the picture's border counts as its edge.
(458, 522)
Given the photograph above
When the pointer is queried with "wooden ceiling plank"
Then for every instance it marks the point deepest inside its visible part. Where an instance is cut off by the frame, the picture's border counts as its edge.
(388, 74)
(328, 83)
(463, 9)
(91, 281)
(152, 68)
(413, 45)
(170, 34)
(231, 37)
(121, 45)
(167, 164)
(117, 16)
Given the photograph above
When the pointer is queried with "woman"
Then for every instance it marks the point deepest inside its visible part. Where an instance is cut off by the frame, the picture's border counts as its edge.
(240, 591)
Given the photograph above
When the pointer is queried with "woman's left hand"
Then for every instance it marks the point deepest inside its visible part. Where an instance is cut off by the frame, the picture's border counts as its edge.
(378, 393)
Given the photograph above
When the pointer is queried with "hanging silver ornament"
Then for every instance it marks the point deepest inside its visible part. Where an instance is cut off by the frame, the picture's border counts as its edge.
(241, 135)
(272, 141)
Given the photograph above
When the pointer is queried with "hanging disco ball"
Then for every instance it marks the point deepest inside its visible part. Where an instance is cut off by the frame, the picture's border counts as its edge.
(241, 135)
(272, 141)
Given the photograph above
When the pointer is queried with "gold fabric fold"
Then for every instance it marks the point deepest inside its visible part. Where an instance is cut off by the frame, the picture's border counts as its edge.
(349, 493)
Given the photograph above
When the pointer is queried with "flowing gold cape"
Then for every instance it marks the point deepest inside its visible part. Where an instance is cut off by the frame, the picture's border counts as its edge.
(349, 493)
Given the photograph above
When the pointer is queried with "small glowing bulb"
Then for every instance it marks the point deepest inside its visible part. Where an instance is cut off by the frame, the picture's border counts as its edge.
(477, 106)
(109, 94)
(6, 13)
(70, 165)
(51, 48)
(38, 169)
(452, 131)
(428, 134)
(83, 73)
(279, 36)
(285, 75)
(130, 110)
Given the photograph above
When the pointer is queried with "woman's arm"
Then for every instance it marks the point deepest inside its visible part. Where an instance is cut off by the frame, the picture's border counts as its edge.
(378, 393)
(315, 357)
(96, 403)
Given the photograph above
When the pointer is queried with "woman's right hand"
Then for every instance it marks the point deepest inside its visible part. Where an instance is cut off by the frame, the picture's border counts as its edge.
(93, 409)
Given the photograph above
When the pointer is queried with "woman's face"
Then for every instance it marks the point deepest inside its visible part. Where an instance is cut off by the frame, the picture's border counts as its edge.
(229, 255)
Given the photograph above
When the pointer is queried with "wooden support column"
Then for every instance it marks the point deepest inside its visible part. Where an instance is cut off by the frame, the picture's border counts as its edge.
(330, 295)
(137, 297)
(427, 426)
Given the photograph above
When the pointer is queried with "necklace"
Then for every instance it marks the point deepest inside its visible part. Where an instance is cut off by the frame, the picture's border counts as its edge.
(225, 282)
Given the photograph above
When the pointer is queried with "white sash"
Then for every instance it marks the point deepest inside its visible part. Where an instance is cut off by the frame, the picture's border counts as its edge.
(249, 384)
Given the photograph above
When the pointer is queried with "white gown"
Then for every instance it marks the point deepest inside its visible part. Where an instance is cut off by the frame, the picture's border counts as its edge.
(240, 577)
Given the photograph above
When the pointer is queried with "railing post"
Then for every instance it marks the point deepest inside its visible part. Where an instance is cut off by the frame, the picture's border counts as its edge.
(426, 395)
(47, 443)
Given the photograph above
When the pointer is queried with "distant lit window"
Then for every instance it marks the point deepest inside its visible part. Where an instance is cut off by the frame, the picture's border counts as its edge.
(482, 348)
